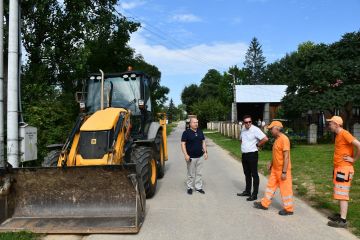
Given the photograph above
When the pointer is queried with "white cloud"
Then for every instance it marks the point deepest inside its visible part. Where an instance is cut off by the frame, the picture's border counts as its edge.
(191, 60)
(186, 18)
(131, 4)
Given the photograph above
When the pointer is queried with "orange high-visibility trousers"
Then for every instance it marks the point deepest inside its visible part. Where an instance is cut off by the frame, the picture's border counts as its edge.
(285, 190)
(342, 178)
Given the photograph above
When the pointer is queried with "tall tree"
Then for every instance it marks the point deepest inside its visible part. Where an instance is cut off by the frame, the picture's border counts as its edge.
(171, 111)
(189, 96)
(254, 63)
(209, 86)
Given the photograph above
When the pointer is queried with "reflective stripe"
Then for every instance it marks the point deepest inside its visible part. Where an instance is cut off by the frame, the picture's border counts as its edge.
(288, 203)
(270, 190)
(342, 187)
(268, 197)
(340, 176)
(341, 193)
(287, 197)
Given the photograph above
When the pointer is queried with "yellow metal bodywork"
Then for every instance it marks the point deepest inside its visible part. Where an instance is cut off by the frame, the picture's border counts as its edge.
(102, 120)
(99, 121)
(163, 150)
(106, 120)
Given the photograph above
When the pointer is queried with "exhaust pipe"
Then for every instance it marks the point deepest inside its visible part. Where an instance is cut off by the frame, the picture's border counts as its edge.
(102, 90)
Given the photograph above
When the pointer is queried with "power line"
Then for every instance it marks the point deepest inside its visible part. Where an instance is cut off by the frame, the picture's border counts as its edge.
(164, 36)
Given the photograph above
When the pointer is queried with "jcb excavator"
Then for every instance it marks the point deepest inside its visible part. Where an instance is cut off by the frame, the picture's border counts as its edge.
(109, 164)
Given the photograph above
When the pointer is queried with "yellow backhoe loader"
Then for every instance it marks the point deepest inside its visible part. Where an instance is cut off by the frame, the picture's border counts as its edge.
(99, 179)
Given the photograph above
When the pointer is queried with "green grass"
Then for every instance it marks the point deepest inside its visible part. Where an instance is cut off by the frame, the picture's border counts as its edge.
(312, 175)
(19, 236)
(170, 127)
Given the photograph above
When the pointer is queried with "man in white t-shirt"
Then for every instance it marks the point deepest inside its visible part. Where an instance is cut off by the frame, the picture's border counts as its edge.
(252, 138)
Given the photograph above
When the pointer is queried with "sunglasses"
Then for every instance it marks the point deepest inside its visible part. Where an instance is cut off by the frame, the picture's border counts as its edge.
(247, 122)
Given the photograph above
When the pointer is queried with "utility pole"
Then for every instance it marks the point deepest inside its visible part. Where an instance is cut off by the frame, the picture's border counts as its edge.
(2, 126)
(12, 93)
(234, 105)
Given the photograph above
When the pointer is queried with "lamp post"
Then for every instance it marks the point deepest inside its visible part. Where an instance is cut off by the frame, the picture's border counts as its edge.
(233, 105)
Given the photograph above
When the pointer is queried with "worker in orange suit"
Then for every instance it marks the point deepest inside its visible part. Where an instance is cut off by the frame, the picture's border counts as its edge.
(280, 176)
(343, 168)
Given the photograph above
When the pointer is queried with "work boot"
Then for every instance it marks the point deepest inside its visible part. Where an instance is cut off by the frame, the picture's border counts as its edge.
(244, 194)
(258, 205)
(189, 191)
(285, 213)
(200, 191)
(252, 198)
(340, 223)
(334, 217)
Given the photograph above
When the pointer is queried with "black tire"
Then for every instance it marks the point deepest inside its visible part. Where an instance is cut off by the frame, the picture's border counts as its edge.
(146, 168)
(160, 158)
(51, 159)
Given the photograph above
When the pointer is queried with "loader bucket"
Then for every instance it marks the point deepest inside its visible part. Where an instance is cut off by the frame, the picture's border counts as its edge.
(96, 199)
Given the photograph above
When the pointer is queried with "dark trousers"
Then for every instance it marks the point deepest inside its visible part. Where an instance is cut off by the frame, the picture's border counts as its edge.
(250, 166)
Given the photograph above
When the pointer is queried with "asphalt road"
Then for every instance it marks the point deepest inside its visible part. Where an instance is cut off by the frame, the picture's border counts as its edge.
(219, 214)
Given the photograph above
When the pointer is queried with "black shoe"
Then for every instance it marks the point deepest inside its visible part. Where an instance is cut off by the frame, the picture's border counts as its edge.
(244, 194)
(285, 213)
(189, 191)
(334, 217)
(252, 198)
(200, 191)
(258, 205)
(338, 223)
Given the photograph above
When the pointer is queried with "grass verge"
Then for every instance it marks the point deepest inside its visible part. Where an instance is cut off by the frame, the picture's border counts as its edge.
(19, 236)
(170, 127)
(312, 175)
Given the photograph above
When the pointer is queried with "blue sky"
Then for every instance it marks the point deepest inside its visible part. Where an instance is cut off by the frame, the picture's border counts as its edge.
(185, 38)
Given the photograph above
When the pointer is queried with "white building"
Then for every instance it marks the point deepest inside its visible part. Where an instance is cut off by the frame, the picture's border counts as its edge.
(259, 101)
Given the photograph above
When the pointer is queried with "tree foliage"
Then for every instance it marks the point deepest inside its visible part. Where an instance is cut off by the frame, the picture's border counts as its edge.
(189, 96)
(214, 88)
(171, 111)
(65, 41)
(254, 63)
(210, 83)
(320, 77)
(209, 109)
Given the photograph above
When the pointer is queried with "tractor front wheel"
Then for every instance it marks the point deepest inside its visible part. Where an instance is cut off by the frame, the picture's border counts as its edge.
(51, 160)
(147, 168)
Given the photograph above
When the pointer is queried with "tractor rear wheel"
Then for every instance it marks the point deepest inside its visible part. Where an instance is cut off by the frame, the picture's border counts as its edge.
(147, 168)
(51, 160)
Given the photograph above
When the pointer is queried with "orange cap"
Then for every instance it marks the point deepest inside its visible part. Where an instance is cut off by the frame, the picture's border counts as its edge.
(275, 124)
(336, 119)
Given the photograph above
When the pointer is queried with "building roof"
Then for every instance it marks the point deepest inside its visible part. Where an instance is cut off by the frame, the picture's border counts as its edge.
(260, 93)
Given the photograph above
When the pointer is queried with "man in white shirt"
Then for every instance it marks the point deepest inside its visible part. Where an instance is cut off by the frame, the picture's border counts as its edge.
(252, 138)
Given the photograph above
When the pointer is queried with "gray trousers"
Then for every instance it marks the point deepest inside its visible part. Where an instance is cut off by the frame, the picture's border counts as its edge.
(194, 169)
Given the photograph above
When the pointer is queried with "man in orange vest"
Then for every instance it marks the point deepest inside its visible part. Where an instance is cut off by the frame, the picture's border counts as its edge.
(280, 176)
(343, 168)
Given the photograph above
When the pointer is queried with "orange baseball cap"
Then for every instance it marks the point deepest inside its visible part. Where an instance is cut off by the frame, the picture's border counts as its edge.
(336, 119)
(275, 124)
